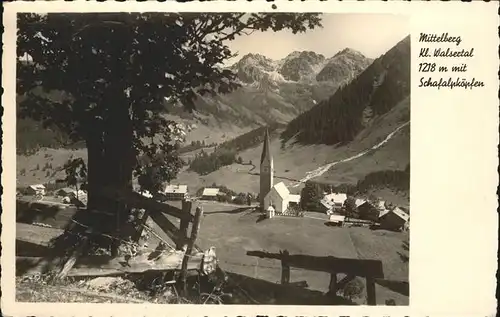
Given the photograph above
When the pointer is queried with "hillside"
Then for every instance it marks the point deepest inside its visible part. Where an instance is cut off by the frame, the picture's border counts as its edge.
(354, 106)
(293, 161)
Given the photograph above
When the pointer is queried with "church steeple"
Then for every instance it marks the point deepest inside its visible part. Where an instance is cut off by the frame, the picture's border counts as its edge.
(266, 153)
(266, 169)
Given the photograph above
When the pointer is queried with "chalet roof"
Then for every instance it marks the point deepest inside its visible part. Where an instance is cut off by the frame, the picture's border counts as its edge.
(282, 190)
(359, 202)
(294, 198)
(337, 198)
(37, 186)
(400, 213)
(210, 192)
(328, 204)
(383, 212)
(176, 189)
(266, 153)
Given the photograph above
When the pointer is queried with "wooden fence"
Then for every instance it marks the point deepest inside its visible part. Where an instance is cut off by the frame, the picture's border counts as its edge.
(187, 256)
(369, 269)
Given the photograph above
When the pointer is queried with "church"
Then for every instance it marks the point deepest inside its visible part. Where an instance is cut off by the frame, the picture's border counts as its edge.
(276, 196)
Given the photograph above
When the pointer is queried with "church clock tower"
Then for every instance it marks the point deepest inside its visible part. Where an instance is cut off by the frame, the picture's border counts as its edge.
(266, 170)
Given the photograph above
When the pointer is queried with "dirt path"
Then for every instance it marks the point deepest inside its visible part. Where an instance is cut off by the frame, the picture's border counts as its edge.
(322, 169)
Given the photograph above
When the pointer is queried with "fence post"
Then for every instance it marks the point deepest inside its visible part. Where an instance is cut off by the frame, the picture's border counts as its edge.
(190, 245)
(370, 291)
(285, 267)
(332, 288)
(183, 227)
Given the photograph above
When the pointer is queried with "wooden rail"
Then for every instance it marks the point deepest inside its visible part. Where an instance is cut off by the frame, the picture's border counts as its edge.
(369, 269)
(183, 259)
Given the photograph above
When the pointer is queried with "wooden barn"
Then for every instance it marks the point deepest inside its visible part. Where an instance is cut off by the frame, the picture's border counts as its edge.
(210, 194)
(367, 211)
(36, 189)
(394, 219)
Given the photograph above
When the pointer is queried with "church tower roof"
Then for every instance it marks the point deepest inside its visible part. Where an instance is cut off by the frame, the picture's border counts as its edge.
(265, 150)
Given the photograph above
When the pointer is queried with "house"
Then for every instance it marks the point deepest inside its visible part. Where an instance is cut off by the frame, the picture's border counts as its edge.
(367, 211)
(210, 194)
(336, 220)
(406, 226)
(78, 198)
(146, 194)
(338, 200)
(326, 206)
(175, 192)
(37, 189)
(394, 219)
(294, 199)
(358, 202)
(278, 197)
(77, 194)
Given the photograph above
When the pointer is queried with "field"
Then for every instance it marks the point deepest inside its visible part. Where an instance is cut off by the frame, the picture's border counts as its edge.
(235, 231)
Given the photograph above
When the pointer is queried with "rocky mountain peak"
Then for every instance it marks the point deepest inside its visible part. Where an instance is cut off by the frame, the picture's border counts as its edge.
(349, 52)
(301, 65)
(346, 64)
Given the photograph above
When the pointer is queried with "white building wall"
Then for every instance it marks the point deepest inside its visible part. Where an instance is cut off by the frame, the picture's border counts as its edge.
(273, 198)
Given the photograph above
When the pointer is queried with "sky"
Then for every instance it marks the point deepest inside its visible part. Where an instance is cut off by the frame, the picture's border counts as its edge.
(370, 34)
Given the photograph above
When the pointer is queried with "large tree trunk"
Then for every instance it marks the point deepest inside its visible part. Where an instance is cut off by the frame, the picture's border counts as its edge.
(118, 160)
(110, 166)
(96, 171)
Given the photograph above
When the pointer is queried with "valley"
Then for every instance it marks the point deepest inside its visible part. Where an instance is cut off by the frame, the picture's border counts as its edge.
(298, 133)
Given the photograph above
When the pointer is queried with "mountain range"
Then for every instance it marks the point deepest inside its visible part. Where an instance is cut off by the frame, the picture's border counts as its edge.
(276, 91)
(272, 91)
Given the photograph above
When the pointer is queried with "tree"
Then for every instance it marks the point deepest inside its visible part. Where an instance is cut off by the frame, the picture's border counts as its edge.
(75, 170)
(119, 72)
(310, 196)
(350, 207)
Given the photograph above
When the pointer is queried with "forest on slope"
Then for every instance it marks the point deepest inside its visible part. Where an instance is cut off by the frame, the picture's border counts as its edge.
(338, 119)
(227, 152)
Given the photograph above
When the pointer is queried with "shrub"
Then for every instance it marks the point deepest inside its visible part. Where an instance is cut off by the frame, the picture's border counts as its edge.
(241, 199)
(353, 289)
